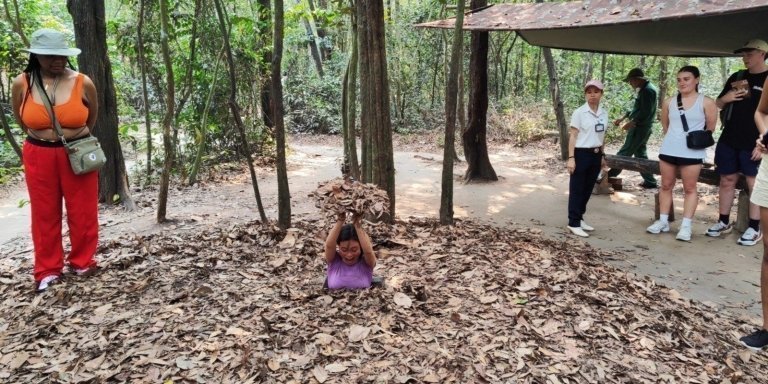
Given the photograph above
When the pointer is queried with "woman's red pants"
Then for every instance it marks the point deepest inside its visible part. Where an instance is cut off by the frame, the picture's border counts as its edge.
(49, 179)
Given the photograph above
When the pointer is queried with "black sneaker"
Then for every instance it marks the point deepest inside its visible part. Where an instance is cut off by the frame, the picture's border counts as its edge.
(756, 340)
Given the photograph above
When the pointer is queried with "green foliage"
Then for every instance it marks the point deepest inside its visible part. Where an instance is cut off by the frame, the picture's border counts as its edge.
(313, 104)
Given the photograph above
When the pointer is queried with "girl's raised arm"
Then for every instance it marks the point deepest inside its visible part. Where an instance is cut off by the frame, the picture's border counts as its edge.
(365, 243)
(330, 242)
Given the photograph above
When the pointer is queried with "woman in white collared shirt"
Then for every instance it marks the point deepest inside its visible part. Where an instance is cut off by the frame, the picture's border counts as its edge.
(585, 155)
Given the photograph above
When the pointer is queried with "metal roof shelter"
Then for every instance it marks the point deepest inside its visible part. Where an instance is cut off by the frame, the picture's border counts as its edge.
(687, 28)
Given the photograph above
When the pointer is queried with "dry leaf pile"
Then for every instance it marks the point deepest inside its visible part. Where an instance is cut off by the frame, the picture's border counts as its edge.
(470, 303)
(340, 195)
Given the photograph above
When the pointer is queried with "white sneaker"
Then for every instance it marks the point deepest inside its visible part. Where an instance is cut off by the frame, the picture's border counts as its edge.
(586, 226)
(658, 226)
(578, 231)
(47, 282)
(719, 229)
(684, 234)
(750, 237)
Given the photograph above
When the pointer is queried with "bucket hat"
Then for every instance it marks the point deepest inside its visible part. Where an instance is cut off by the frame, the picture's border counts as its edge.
(50, 42)
(753, 44)
(635, 73)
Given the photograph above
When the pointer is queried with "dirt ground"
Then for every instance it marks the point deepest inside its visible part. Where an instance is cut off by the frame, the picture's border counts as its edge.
(531, 191)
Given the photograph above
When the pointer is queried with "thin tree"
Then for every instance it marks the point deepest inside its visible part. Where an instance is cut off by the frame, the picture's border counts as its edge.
(9, 135)
(451, 90)
(170, 101)
(15, 20)
(283, 194)
(375, 122)
(312, 42)
(144, 91)
(246, 148)
(474, 137)
(91, 37)
(554, 91)
(349, 105)
(264, 48)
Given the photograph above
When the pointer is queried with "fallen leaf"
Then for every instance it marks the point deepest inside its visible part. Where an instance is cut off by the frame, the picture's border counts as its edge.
(335, 368)
(357, 333)
(402, 300)
(320, 374)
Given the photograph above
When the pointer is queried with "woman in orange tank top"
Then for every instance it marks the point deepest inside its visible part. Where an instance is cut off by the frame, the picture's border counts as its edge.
(48, 174)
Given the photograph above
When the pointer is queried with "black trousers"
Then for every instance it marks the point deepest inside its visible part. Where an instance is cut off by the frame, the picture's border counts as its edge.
(582, 181)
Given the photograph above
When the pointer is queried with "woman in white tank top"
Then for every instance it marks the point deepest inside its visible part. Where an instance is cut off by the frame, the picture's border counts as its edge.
(674, 155)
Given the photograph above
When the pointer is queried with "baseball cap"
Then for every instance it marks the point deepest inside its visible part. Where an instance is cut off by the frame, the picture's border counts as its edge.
(635, 73)
(753, 44)
(50, 42)
(594, 83)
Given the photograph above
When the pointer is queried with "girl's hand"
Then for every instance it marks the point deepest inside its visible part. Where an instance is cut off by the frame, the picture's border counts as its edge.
(759, 147)
(357, 219)
(571, 165)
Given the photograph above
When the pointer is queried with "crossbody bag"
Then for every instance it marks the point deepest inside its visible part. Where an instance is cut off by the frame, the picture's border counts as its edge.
(694, 139)
(85, 154)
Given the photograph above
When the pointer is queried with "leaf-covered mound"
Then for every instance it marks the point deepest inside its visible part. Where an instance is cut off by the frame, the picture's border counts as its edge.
(345, 195)
(470, 303)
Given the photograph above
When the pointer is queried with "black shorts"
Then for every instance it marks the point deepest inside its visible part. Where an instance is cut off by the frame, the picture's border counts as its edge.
(674, 160)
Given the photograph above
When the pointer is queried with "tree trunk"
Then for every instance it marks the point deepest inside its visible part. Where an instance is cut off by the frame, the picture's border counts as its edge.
(322, 34)
(451, 90)
(202, 134)
(9, 134)
(557, 102)
(15, 21)
(602, 68)
(170, 100)
(538, 73)
(312, 41)
(91, 37)
(474, 137)
(283, 193)
(374, 92)
(663, 69)
(144, 91)
(265, 61)
(354, 164)
(588, 70)
(236, 109)
(188, 86)
(348, 109)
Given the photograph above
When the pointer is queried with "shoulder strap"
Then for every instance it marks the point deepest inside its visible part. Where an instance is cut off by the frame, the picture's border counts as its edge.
(47, 104)
(682, 111)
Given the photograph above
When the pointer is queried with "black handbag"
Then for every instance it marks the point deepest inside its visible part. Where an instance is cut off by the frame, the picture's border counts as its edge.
(695, 139)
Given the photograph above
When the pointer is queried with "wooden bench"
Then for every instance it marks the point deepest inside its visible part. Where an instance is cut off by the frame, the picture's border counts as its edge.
(707, 176)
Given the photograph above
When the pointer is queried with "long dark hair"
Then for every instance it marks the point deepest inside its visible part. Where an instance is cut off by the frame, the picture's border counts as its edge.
(692, 69)
(33, 70)
(347, 233)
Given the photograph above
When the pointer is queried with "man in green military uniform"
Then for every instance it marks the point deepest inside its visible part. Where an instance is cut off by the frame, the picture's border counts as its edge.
(640, 120)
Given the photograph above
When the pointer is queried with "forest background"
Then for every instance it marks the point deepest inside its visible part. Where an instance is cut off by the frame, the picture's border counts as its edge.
(319, 64)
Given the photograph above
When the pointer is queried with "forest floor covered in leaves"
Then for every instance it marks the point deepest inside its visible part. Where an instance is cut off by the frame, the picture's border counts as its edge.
(215, 297)
(469, 303)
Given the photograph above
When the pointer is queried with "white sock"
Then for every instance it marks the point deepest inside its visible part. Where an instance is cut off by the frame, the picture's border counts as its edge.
(686, 222)
(664, 218)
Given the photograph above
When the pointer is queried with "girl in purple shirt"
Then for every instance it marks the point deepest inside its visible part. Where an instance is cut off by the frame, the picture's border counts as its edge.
(349, 254)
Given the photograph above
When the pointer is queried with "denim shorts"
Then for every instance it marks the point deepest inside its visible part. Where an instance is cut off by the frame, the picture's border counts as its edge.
(731, 160)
